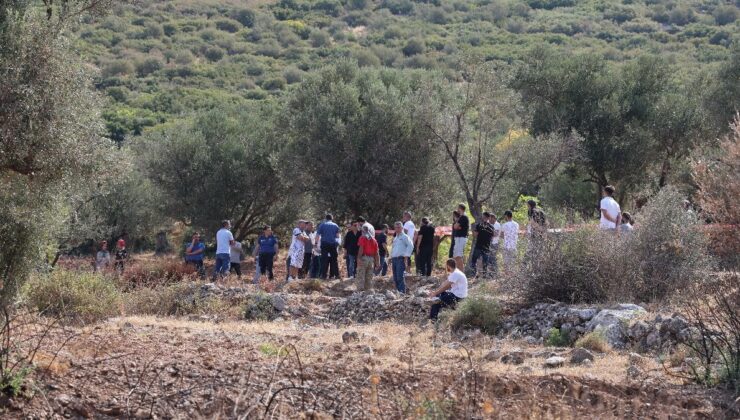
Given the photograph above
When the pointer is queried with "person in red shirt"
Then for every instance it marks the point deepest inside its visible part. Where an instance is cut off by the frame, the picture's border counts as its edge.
(368, 258)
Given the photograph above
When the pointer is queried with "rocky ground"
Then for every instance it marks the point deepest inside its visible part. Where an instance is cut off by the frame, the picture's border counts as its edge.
(321, 350)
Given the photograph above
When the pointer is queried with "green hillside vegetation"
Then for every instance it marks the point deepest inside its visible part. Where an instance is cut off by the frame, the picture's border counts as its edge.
(160, 60)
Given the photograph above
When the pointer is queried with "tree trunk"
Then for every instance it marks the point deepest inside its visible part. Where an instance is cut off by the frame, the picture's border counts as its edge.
(161, 245)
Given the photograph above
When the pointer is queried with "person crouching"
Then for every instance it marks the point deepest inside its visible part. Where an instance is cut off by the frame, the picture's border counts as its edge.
(452, 291)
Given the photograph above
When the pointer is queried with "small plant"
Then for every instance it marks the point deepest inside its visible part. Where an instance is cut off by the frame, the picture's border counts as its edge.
(259, 308)
(555, 338)
(12, 381)
(270, 349)
(477, 312)
(595, 341)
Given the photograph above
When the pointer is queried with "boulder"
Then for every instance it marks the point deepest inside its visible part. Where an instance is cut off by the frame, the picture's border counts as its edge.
(579, 355)
(278, 303)
(613, 323)
(554, 362)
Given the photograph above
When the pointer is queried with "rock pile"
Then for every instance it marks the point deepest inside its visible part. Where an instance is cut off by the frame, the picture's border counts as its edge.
(537, 321)
(373, 307)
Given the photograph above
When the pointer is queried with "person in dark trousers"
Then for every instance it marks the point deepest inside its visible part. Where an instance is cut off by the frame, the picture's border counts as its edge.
(266, 250)
(236, 255)
(400, 251)
(307, 251)
(483, 234)
(425, 248)
(350, 248)
(455, 216)
(121, 256)
(460, 232)
(452, 291)
(327, 236)
(536, 229)
(194, 254)
(382, 238)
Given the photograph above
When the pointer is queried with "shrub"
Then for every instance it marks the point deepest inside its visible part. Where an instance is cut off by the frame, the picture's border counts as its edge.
(259, 308)
(148, 66)
(228, 25)
(595, 341)
(726, 14)
(117, 68)
(274, 83)
(293, 75)
(174, 299)
(244, 16)
(155, 272)
(213, 53)
(413, 46)
(477, 312)
(555, 338)
(319, 38)
(75, 296)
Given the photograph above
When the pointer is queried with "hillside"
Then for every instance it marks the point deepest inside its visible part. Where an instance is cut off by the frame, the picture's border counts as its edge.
(160, 60)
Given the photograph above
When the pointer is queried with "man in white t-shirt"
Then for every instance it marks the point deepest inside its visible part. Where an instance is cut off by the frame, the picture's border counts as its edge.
(409, 228)
(510, 235)
(453, 290)
(224, 241)
(611, 214)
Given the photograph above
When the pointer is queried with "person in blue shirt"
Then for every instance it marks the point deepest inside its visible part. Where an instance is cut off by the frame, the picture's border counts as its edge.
(265, 251)
(327, 237)
(401, 250)
(194, 254)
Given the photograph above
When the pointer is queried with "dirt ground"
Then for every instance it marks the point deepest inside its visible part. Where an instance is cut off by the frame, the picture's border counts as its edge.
(146, 367)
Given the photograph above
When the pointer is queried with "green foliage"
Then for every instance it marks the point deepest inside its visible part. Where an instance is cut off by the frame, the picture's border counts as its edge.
(555, 338)
(272, 350)
(12, 381)
(259, 308)
(595, 341)
(477, 312)
(83, 297)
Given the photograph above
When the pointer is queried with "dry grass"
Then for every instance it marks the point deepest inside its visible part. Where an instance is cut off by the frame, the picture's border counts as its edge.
(594, 341)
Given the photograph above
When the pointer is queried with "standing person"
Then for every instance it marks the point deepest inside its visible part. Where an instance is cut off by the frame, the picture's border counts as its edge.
(400, 252)
(425, 248)
(315, 270)
(327, 236)
(266, 249)
(235, 259)
(102, 258)
(409, 228)
(224, 241)
(452, 291)
(610, 211)
(365, 224)
(483, 233)
(382, 239)
(121, 256)
(194, 254)
(350, 249)
(495, 243)
(460, 231)
(455, 216)
(536, 229)
(510, 236)
(368, 257)
(307, 251)
(296, 251)
(626, 225)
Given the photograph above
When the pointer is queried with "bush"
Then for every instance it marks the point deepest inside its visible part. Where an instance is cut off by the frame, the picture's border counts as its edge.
(155, 272)
(117, 68)
(244, 16)
(477, 312)
(293, 75)
(275, 83)
(172, 300)
(259, 308)
(595, 341)
(319, 39)
(726, 14)
(228, 25)
(413, 46)
(214, 53)
(75, 296)
(148, 66)
(555, 338)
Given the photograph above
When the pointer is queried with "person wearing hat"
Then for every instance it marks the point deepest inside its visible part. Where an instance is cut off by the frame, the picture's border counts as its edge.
(368, 257)
(121, 255)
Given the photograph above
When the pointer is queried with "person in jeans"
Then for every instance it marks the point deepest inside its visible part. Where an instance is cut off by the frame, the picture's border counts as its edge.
(483, 234)
(401, 250)
(350, 248)
(425, 248)
(460, 231)
(452, 291)
(315, 268)
(327, 236)
(194, 254)
(235, 260)
(382, 238)
(368, 257)
(510, 236)
(224, 241)
(266, 249)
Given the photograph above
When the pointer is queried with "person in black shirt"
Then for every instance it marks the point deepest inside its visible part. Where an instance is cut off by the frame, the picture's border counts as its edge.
(350, 248)
(536, 229)
(425, 248)
(460, 233)
(382, 238)
(483, 234)
(121, 256)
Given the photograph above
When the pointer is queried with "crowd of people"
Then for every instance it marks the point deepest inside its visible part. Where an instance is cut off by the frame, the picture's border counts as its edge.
(314, 250)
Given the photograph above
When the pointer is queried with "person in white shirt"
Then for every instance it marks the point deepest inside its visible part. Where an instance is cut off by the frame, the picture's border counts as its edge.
(295, 252)
(224, 241)
(452, 291)
(611, 214)
(626, 225)
(409, 228)
(236, 259)
(510, 235)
